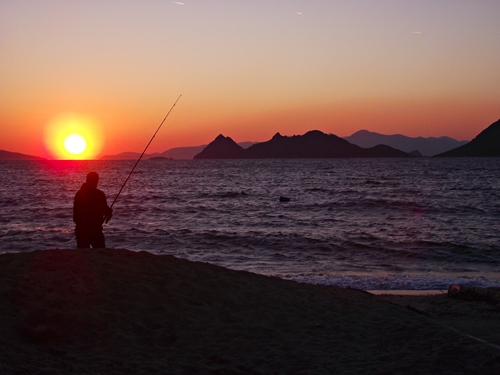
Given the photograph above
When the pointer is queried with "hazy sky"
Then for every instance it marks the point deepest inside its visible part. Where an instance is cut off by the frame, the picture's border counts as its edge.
(246, 69)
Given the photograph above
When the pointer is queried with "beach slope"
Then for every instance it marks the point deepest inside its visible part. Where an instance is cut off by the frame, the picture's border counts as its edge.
(122, 312)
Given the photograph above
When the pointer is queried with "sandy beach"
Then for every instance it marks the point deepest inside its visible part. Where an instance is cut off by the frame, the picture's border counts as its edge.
(121, 312)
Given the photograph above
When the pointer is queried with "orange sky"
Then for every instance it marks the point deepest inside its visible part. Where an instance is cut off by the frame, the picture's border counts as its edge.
(245, 69)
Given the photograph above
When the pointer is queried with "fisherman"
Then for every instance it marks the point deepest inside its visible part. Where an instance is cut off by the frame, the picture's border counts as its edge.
(90, 211)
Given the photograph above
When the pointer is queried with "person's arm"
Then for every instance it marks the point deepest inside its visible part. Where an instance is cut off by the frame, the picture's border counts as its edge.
(108, 215)
(108, 211)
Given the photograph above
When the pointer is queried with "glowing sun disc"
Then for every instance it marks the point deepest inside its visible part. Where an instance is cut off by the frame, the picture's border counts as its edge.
(75, 144)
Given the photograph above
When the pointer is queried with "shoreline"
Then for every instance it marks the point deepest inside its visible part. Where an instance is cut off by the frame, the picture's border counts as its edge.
(481, 280)
(115, 311)
(405, 292)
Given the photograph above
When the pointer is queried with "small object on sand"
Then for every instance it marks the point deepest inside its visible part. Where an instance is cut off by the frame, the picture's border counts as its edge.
(284, 199)
(453, 289)
(470, 293)
(462, 292)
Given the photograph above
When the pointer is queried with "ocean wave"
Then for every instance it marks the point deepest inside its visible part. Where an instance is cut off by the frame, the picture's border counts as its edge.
(397, 282)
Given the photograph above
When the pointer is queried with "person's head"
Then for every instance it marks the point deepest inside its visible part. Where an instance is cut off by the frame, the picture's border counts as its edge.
(92, 179)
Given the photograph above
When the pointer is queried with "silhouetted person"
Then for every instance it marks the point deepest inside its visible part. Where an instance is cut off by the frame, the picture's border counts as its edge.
(90, 210)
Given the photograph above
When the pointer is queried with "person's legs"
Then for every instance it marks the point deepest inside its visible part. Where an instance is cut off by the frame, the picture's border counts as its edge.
(82, 237)
(97, 240)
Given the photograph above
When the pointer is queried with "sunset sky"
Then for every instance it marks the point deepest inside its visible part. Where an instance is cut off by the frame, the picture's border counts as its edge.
(246, 69)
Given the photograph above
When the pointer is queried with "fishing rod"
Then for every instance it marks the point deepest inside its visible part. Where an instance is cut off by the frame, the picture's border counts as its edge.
(140, 157)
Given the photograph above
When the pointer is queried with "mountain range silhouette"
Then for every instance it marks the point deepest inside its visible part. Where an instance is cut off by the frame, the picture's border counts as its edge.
(313, 144)
(318, 144)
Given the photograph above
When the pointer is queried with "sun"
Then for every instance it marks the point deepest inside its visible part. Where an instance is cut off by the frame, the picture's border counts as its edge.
(75, 144)
(73, 136)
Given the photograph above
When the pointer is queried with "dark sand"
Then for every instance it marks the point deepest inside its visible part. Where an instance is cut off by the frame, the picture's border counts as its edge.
(121, 312)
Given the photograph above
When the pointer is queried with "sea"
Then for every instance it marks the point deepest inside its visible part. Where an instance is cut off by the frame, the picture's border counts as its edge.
(374, 224)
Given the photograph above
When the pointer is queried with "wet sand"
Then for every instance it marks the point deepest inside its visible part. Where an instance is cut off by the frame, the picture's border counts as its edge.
(121, 312)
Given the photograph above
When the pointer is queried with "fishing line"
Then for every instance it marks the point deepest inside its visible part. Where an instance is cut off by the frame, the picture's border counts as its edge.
(140, 157)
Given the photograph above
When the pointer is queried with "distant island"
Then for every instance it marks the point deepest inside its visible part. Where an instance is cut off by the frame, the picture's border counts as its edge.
(487, 143)
(425, 146)
(7, 155)
(313, 144)
(160, 158)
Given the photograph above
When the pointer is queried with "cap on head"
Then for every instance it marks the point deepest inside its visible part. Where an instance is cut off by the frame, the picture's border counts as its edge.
(92, 178)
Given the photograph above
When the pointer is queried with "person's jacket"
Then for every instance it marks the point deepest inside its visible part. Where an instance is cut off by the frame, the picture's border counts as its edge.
(90, 207)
